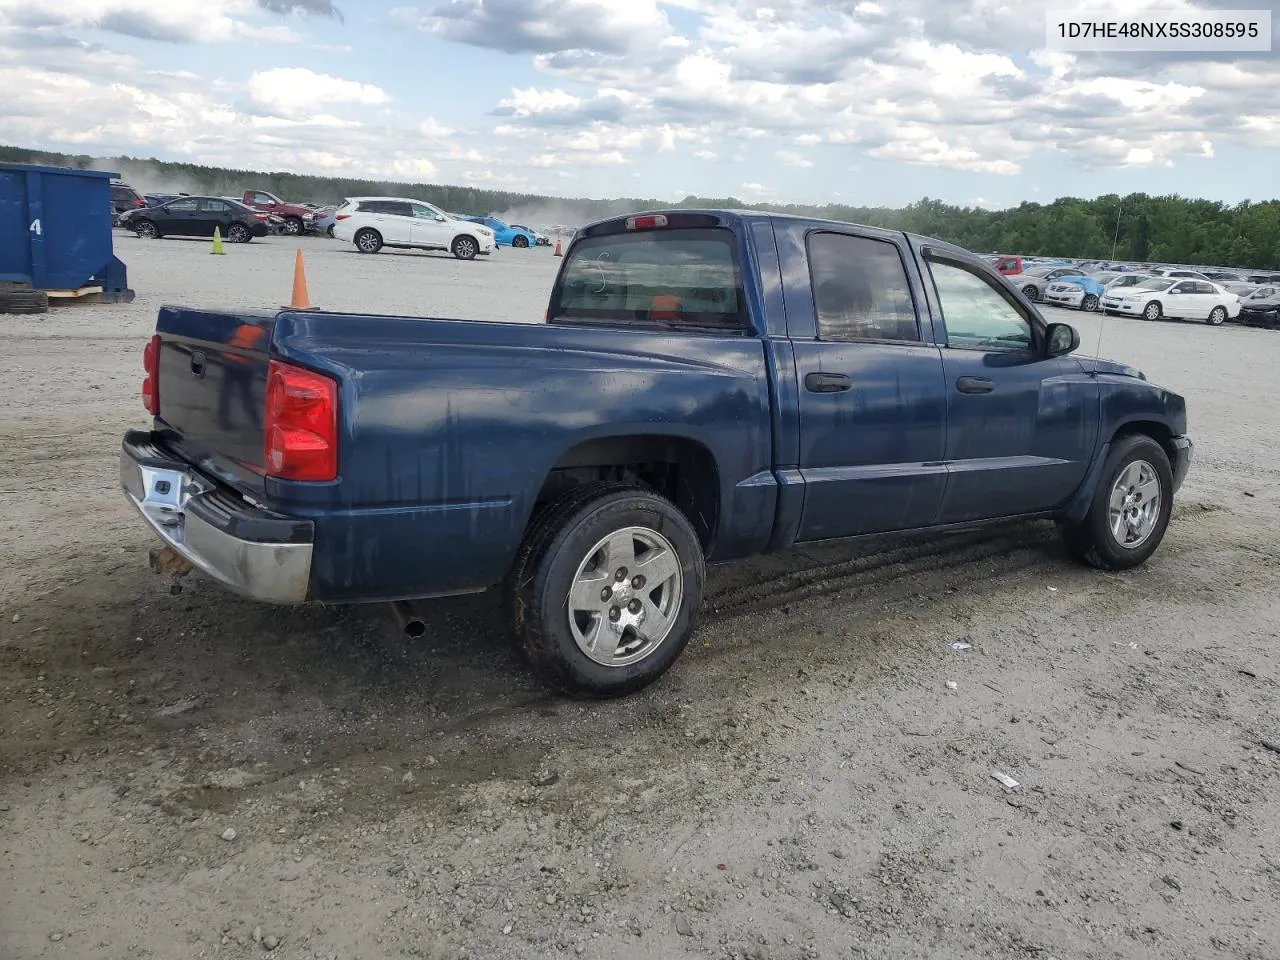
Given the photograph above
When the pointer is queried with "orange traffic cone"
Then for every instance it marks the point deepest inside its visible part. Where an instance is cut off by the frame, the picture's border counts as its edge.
(558, 253)
(300, 300)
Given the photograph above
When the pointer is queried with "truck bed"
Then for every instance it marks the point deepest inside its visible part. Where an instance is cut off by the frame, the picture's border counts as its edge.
(449, 427)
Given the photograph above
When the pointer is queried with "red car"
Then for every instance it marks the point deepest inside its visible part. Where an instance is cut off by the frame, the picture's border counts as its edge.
(297, 219)
(1009, 265)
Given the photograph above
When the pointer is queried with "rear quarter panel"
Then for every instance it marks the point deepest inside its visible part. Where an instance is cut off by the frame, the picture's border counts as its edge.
(449, 429)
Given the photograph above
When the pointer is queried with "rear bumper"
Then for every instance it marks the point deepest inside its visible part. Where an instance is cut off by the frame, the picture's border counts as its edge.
(1183, 452)
(249, 550)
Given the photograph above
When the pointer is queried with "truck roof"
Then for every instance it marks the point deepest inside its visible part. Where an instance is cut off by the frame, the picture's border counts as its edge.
(729, 216)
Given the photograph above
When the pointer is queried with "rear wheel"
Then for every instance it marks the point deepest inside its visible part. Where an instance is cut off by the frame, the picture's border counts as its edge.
(1031, 293)
(1217, 316)
(1130, 510)
(605, 591)
(146, 230)
(368, 240)
(465, 248)
(239, 233)
(1152, 311)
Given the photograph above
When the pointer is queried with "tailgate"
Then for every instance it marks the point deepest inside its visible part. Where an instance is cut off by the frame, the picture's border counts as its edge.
(213, 378)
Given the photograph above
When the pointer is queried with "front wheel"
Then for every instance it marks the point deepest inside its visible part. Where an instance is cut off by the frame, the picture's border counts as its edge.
(1151, 311)
(465, 248)
(1130, 510)
(1217, 316)
(520, 241)
(1090, 303)
(368, 240)
(292, 226)
(606, 589)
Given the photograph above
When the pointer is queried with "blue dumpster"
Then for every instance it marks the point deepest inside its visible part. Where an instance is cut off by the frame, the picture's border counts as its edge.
(55, 231)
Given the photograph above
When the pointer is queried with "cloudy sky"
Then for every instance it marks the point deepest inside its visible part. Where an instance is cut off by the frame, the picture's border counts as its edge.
(854, 101)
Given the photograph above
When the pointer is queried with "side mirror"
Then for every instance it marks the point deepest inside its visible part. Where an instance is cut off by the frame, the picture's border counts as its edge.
(440, 219)
(1060, 339)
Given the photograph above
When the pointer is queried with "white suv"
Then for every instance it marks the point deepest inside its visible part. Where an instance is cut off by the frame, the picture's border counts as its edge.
(372, 223)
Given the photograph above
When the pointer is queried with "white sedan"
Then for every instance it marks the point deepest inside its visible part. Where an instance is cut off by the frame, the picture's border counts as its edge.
(1171, 297)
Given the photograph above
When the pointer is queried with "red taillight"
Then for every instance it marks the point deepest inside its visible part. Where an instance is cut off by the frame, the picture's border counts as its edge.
(151, 382)
(138, 202)
(301, 425)
(343, 216)
(646, 223)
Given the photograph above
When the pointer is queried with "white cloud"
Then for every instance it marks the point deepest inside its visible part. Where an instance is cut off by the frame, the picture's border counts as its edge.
(294, 90)
(705, 154)
(796, 161)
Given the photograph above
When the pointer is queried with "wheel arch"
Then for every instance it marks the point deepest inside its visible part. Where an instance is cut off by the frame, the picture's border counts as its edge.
(681, 468)
(1157, 430)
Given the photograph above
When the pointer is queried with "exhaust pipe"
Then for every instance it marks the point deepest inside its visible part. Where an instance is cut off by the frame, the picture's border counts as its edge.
(411, 625)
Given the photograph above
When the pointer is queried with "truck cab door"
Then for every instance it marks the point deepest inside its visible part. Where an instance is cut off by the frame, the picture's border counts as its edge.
(1021, 429)
(872, 403)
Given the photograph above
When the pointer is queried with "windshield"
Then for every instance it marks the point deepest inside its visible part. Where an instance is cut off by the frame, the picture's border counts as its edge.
(1037, 272)
(1155, 283)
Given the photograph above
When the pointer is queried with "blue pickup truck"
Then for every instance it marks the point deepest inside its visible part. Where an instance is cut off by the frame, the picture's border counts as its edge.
(706, 386)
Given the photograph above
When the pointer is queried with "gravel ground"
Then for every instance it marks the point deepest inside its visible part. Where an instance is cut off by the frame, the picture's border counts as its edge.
(184, 774)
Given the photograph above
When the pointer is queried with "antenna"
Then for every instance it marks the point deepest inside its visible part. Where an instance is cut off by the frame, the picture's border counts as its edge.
(1102, 323)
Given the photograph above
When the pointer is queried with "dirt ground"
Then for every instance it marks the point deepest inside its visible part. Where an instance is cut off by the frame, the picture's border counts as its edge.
(190, 775)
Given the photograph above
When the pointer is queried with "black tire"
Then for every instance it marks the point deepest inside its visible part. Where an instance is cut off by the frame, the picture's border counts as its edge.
(521, 241)
(464, 247)
(367, 240)
(292, 227)
(1093, 541)
(1217, 316)
(239, 233)
(538, 591)
(330, 231)
(23, 300)
(1031, 293)
(1090, 303)
(1152, 311)
(145, 230)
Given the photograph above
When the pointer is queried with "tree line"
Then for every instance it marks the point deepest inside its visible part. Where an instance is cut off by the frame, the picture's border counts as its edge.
(1136, 227)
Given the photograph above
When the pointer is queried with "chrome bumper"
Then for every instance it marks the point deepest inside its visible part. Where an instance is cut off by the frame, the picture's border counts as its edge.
(251, 551)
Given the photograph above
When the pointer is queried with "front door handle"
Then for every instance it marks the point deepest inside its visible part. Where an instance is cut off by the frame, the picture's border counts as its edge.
(974, 385)
(827, 382)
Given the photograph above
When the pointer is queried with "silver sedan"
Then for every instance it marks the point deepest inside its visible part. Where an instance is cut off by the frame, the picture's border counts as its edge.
(1033, 282)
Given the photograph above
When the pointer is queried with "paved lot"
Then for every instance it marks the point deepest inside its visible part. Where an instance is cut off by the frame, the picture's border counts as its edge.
(802, 785)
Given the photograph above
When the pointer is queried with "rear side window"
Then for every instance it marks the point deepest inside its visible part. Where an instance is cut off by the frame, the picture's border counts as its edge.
(860, 289)
(686, 277)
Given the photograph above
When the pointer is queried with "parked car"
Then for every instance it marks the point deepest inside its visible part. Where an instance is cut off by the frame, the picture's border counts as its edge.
(1127, 280)
(1173, 298)
(1034, 281)
(1178, 273)
(372, 223)
(1081, 292)
(1261, 308)
(197, 217)
(1222, 276)
(505, 235)
(590, 465)
(539, 240)
(297, 218)
(1264, 278)
(123, 199)
(324, 220)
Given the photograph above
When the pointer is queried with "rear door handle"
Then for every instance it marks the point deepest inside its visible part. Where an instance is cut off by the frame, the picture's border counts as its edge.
(827, 382)
(974, 385)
